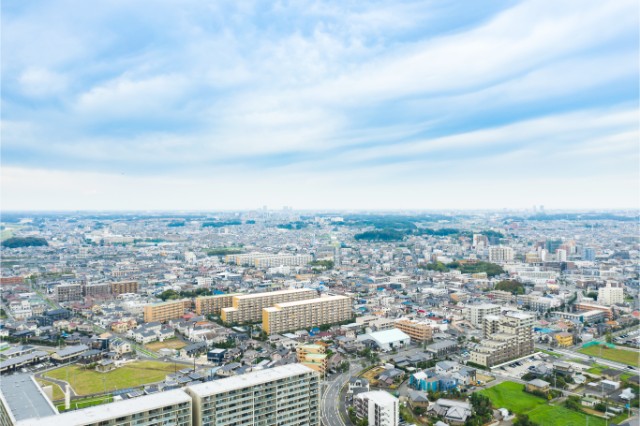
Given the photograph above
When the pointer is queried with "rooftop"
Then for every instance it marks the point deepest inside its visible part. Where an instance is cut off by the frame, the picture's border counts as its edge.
(24, 398)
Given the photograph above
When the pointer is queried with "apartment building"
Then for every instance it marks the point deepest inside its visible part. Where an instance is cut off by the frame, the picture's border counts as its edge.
(505, 338)
(501, 295)
(164, 311)
(584, 306)
(500, 254)
(248, 307)
(163, 408)
(212, 305)
(265, 260)
(610, 295)
(308, 313)
(418, 331)
(283, 396)
(68, 293)
(101, 290)
(313, 356)
(379, 408)
(123, 287)
(476, 313)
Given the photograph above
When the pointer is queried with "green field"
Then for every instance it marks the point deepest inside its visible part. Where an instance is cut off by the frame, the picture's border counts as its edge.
(57, 392)
(616, 355)
(510, 395)
(85, 382)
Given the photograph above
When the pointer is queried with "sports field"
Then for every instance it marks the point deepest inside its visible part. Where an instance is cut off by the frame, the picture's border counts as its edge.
(616, 355)
(510, 395)
(169, 344)
(85, 382)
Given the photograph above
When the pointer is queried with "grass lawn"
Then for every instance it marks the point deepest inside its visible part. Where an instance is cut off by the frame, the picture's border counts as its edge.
(550, 353)
(510, 395)
(170, 344)
(57, 391)
(616, 355)
(134, 374)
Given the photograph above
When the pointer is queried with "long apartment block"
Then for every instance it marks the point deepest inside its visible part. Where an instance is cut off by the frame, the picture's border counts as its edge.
(166, 310)
(248, 307)
(212, 305)
(283, 396)
(308, 313)
(266, 260)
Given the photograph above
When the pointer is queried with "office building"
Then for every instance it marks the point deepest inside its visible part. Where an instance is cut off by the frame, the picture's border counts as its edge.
(165, 311)
(68, 293)
(212, 305)
(290, 316)
(123, 287)
(476, 313)
(500, 254)
(505, 337)
(163, 408)
(379, 408)
(248, 307)
(313, 356)
(283, 396)
(611, 294)
(418, 331)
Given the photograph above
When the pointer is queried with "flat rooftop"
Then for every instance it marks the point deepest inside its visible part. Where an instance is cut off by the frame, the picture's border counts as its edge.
(274, 293)
(310, 301)
(24, 398)
(249, 379)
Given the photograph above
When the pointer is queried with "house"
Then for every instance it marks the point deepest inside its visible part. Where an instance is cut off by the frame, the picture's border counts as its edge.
(418, 399)
(611, 374)
(424, 382)
(446, 367)
(357, 385)
(193, 349)
(454, 412)
(216, 356)
(465, 376)
(562, 368)
(537, 385)
(388, 377)
(588, 401)
(105, 366)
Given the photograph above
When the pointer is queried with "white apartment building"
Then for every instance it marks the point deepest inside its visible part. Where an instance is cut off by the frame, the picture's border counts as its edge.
(610, 295)
(380, 408)
(476, 313)
(500, 254)
(265, 260)
(505, 337)
(283, 396)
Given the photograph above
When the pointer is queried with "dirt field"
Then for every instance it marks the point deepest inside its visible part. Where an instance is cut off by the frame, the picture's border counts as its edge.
(170, 344)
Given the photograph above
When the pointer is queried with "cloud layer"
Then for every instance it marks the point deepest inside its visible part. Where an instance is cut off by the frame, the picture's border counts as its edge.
(140, 105)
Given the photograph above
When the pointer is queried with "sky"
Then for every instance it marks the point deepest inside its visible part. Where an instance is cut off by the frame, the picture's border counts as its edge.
(222, 105)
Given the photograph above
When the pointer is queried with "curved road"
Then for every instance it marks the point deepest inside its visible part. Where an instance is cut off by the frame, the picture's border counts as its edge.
(331, 397)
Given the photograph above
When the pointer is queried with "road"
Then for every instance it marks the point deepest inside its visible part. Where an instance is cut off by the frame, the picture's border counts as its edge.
(331, 397)
(578, 355)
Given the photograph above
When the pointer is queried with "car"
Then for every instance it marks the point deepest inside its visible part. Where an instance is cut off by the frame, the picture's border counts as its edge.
(630, 367)
(532, 367)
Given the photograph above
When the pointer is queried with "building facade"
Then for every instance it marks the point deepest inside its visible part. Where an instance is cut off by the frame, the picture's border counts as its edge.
(418, 331)
(290, 316)
(212, 305)
(380, 408)
(505, 337)
(68, 293)
(165, 311)
(500, 254)
(610, 295)
(248, 307)
(123, 287)
(476, 313)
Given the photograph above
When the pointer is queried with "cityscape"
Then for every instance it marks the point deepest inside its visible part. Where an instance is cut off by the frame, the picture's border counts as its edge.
(320, 213)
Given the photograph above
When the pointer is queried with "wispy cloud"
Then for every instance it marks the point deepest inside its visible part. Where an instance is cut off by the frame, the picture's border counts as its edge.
(349, 93)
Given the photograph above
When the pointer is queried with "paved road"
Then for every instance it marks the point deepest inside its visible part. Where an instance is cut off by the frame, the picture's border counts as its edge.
(331, 399)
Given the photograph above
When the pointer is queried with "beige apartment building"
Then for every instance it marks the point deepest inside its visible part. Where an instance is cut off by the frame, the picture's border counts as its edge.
(418, 331)
(313, 356)
(166, 310)
(265, 260)
(248, 307)
(123, 287)
(308, 313)
(505, 337)
(212, 305)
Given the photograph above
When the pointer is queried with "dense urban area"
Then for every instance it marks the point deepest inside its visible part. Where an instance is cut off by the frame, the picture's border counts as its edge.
(282, 317)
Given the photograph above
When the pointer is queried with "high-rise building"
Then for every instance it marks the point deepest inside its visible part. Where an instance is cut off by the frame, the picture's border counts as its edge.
(500, 254)
(610, 294)
(212, 305)
(283, 396)
(379, 408)
(476, 313)
(505, 337)
(166, 310)
(589, 254)
(248, 307)
(290, 316)
(552, 245)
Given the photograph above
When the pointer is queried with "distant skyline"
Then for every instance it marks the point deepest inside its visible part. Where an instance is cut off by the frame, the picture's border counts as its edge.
(380, 105)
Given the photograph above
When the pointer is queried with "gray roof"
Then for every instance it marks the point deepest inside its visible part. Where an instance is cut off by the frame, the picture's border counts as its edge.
(539, 383)
(23, 398)
(71, 350)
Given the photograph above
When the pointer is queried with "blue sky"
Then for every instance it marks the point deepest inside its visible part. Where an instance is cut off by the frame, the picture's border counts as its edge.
(341, 105)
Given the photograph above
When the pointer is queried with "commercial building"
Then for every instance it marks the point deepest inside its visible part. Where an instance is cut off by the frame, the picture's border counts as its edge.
(500, 254)
(379, 408)
(283, 396)
(564, 339)
(68, 293)
(264, 260)
(163, 408)
(289, 316)
(387, 340)
(584, 306)
(611, 295)
(165, 311)
(248, 307)
(418, 331)
(313, 356)
(504, 338)
(212, 305)
(476, 313)
(123, 287)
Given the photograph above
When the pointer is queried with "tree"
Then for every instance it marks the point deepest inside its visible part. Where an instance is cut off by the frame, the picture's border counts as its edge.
(523, 420)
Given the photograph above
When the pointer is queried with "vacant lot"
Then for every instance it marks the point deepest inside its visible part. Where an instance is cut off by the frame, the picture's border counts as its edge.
(169, 344)
(57, 392)
(86, 382)
(371, 374)
(616, 355)
(510, 395)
